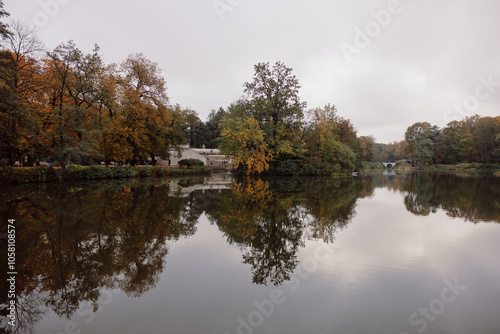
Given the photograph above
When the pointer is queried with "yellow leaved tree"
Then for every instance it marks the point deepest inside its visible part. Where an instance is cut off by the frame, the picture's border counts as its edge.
(243, 139)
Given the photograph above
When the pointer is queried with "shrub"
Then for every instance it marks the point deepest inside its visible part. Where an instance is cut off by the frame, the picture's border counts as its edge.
(340, 158)
(286, 167)
(308, 170)
(191, 163)
(158, 171)
(77, 172)
(121, 172)
(145, 172)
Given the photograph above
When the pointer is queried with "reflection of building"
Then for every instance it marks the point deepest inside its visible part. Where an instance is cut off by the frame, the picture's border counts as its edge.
(215, 182)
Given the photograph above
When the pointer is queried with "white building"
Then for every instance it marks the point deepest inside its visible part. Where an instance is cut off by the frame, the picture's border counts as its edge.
(185, 153)
(214, 158)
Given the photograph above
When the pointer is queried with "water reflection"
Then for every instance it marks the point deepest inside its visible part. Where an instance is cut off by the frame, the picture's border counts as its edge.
(73, 241)
(474, 198)
(76, 240)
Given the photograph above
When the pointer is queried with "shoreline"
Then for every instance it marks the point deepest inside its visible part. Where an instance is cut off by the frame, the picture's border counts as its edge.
(22, 175)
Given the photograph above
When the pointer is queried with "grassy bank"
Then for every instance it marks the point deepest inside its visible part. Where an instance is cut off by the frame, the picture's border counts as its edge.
(72, 173)
(372, 165)
(463, 167)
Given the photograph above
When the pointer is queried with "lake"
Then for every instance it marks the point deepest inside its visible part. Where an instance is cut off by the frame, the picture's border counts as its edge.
(380, 253)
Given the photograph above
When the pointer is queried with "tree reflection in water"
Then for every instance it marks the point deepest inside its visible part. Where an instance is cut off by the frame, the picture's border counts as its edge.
(272, 218)
(75, 241)
(473, 198)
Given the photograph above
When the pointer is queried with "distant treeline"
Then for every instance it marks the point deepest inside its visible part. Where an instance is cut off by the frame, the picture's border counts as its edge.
(474, 139)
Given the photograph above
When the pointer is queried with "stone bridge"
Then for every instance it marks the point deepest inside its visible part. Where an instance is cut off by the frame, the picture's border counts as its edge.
(389, 164)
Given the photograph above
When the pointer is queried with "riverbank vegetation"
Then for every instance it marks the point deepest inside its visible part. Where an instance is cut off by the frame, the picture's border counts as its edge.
(473, 142)
(11, 175)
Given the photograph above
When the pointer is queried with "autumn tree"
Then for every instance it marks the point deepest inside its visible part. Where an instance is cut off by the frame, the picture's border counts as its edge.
(76, 103)
(29, 83)
(457, 144)
(484, 137)
(272, 106)
(367, 148)
(321, 123)
(20, 73)
(395, 151)
(245, 141)
(143, 112)
(287, 142)
(497, 150)
(326, 140)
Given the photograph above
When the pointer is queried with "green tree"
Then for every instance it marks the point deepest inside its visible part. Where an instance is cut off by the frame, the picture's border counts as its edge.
(274, 102)
(427, 146)
(413, 136)
(13, 117)
(339, 157)
(4, 31)
(213, 128)
(186, 124)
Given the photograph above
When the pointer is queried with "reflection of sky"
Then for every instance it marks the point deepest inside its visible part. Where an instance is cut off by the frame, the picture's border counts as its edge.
(385, 265)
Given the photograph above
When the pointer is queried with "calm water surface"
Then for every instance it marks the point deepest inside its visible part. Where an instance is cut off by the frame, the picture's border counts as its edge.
(383, 253)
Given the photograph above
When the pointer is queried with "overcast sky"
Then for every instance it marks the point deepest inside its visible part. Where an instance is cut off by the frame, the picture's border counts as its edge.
(413, 61)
